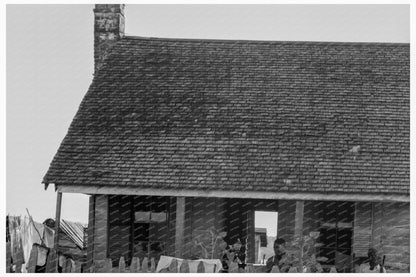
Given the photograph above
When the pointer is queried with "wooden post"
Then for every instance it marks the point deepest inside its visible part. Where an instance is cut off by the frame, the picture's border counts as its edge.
(173, 267)
(299, 229)
(121, 265)
(250, 237)
(145, 265)
(200, 268)
(8, 256)
(90, 232)
(184, 267)
(179, 226)
(57, 219)
(299, 218)
(135, 265)
(57, 223)
(152, 265)
(108, 266)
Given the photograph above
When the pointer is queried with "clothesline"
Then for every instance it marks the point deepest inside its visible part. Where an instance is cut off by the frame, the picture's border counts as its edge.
(24, 233)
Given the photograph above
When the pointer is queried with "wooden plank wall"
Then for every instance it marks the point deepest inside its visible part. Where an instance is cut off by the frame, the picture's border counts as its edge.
(100, 232)
(392, 234)
(363, 222)
(170, 239)
(120, 227)
(180, 227)
(286, 223)
(384, 226)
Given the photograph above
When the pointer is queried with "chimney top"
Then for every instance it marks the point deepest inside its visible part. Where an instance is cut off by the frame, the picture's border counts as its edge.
(108, 29)
(112, 8)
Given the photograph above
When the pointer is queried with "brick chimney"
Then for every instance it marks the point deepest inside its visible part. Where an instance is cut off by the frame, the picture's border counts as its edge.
(108, 28)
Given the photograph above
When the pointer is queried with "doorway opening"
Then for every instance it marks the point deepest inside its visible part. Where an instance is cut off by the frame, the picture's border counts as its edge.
(265, 223)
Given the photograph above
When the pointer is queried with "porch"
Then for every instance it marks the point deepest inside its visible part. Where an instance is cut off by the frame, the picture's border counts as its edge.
(146, 226)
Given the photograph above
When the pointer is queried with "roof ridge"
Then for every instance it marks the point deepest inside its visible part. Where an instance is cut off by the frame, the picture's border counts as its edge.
(263, 41)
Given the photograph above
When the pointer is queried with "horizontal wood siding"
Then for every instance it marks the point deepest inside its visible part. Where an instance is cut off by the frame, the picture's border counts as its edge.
(393, 224)
(363, 221)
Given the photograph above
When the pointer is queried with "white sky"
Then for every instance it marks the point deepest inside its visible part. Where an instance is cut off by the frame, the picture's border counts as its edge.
(50, 64)
(266, 220)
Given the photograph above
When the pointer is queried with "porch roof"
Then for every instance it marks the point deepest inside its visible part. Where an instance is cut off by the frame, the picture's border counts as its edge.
(253, 116)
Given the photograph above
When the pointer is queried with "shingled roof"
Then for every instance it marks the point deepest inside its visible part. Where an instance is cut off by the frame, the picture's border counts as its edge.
(243, 115)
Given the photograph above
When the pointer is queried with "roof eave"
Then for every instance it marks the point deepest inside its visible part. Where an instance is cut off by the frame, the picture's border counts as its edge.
(281, 195)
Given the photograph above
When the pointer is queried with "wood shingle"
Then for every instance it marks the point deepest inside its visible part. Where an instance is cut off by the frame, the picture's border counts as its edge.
(243, 115)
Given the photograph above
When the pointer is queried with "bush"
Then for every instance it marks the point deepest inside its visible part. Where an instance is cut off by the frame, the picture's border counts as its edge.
(302, 254)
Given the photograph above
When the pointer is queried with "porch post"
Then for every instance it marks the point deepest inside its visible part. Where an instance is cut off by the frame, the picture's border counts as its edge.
(299, 219)
(90, 232)
(100, 251)
(251, 244)
(55, 263)
(57, 219)
(299, 227)
(179, 226)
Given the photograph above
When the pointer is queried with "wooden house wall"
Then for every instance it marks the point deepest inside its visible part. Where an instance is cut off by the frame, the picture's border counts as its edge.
(120, 227)
(286, 220)
(363, 228)
(384, 226)
(99, 245)
(391, 233)
(125, 235)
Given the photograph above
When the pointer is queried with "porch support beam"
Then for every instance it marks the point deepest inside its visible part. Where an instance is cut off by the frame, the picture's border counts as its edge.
(299, 218)
(53, 265)
(179, 227)
(251, 233)
(300, 205)
(333, 196)
(57, 219)
(90, 231)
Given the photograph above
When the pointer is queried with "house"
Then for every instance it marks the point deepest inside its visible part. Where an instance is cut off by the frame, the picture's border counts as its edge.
(176, 137)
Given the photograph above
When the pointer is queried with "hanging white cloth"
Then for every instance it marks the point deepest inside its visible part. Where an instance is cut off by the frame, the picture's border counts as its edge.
(209, 264)
(165, 261)
(30, 233)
